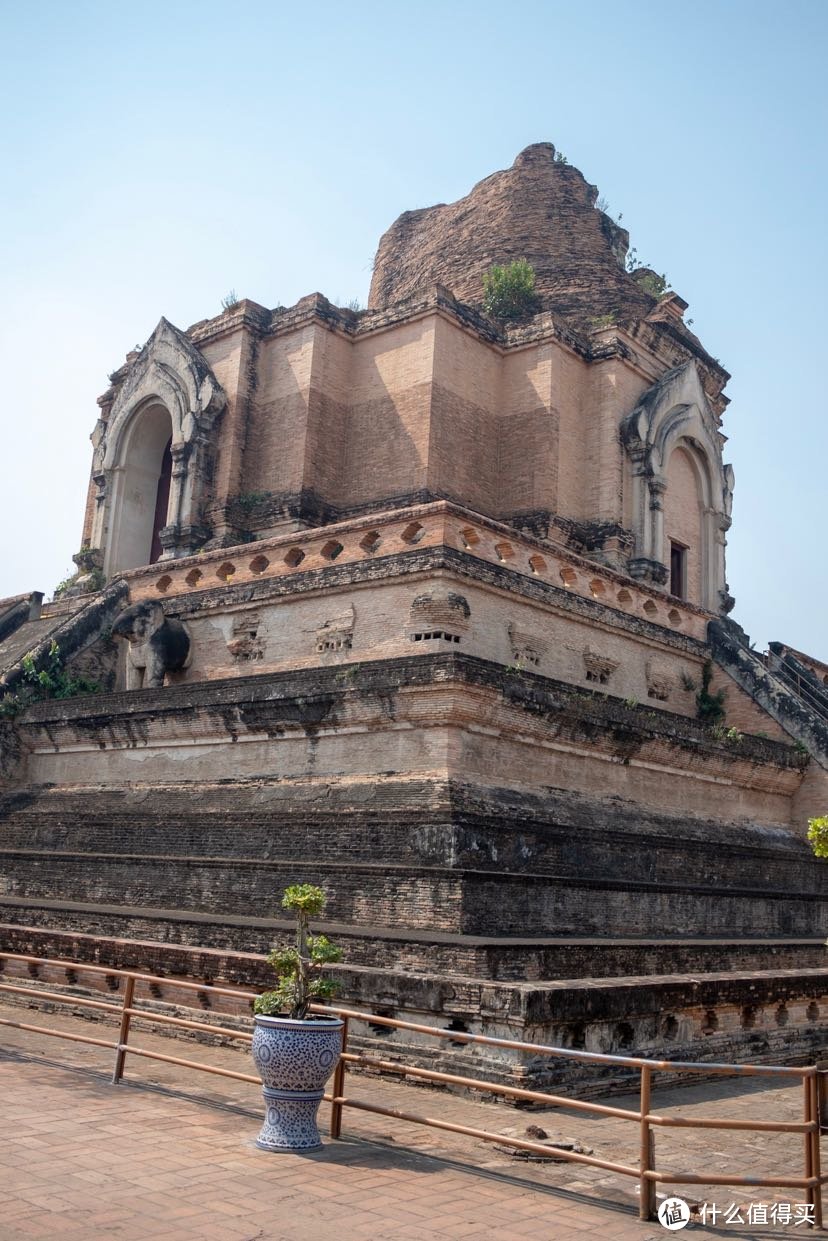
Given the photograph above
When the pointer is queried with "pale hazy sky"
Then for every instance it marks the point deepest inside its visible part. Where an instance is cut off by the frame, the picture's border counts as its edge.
(159, 154)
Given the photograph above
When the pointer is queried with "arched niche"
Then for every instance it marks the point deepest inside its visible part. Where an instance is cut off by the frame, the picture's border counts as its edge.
(140, 484)
(675, 480)
(158, 431)
(686, 503)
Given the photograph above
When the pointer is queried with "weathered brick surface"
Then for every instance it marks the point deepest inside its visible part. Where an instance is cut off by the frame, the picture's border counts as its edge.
(408, 858)
(206, 945)
(327, 414)
(462, 716)
(441, 824)
(541, 210)
(406, 897)
(431, 853)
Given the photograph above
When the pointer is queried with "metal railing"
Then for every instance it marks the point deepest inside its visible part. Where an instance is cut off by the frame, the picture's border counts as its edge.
(815, 696)
(813, 1081)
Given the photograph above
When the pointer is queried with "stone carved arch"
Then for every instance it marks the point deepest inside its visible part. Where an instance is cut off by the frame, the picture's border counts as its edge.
(169, 375)
(673, 414)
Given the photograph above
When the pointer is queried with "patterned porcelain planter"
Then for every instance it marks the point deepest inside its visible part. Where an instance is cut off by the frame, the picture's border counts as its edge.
(294, 1059)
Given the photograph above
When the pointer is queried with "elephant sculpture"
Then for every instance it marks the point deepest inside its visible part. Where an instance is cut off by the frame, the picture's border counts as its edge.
(156, 644)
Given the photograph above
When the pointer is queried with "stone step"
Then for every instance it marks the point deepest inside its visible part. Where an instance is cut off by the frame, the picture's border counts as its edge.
(555, 852)
(474, 902)
(497, 958)
(180, 960)
(407, 823)
(771, 1016)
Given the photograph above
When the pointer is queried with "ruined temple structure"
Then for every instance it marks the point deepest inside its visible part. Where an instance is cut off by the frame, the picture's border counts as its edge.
(431, 610)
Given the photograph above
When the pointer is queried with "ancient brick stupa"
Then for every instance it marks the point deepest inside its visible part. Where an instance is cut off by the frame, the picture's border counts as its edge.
(430, 608)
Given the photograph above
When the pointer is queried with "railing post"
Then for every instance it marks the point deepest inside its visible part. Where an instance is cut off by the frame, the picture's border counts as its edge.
(807, 1140)
(813, 1161)
(339, 1086)
(646, 1187)
(123, 1032)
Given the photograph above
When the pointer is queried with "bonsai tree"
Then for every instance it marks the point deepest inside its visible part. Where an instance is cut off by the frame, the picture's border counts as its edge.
(298, 969)
(818, 835)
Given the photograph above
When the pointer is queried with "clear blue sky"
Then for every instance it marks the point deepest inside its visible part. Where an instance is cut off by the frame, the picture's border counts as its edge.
(158, 155)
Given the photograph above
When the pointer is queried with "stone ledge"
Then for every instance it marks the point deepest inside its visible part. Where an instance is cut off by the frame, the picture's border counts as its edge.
(577, 995)
(463, 875)
(395, 802)
(306, 698)
(278, 926)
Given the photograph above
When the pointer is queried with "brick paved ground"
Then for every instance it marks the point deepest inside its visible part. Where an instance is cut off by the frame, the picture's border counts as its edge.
(170, 1156)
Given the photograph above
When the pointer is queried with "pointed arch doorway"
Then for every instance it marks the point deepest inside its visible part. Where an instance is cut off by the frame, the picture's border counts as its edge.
(141, 489)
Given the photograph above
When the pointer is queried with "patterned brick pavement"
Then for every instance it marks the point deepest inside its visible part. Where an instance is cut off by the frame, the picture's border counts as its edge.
(151, 1159)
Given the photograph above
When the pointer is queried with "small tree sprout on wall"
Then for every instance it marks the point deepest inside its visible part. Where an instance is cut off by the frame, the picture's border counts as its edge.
(818, 835)
(710, 709)
(509, 291)
(44, 679)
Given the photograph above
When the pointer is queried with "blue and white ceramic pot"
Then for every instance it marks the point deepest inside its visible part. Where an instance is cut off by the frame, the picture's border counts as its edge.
(294, 1059)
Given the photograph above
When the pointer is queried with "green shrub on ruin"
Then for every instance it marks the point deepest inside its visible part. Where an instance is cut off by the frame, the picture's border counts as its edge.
(49, 680)
(818, 835)
(509, 291)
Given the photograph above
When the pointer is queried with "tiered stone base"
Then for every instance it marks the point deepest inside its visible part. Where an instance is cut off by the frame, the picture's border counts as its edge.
(613, 921)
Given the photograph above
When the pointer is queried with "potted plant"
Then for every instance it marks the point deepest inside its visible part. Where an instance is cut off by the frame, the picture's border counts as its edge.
(294, 1052)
